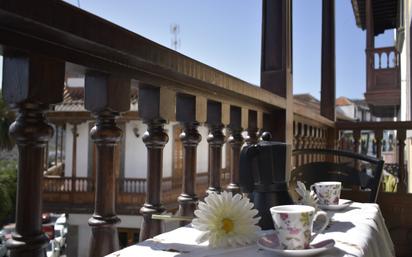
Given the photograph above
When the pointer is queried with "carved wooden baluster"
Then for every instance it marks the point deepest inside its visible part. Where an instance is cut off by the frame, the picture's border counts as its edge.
(311, 142)
(190, 137)
(105, 96)
(356, 149)
(24, 82)
(252, 129)
(299, 158)
(216, 139)
(305, 145)
(316, 144)
(235, 141)
(402, 186)
(356, 140)
(295, 142)
(74, 160)
(155, 139)
(187, 200)
(378, 145)
(63, 132)
(46, 157)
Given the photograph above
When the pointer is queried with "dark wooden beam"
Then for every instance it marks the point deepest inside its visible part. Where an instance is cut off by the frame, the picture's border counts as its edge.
(328, 88)
(63, 31)
(370, 43)
(276, 62)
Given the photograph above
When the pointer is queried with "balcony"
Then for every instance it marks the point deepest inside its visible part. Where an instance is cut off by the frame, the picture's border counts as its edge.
(70, 43)
(76, 195)
(383, 93)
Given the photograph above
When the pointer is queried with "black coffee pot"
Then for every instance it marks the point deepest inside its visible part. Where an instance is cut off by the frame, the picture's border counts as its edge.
(263, 176)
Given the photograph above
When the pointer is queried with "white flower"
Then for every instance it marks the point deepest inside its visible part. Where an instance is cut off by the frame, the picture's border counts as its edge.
(307, 197)
(226, 220)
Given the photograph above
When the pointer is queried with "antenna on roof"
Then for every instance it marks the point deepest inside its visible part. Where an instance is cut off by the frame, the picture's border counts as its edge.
(78, 3)
(175, 30)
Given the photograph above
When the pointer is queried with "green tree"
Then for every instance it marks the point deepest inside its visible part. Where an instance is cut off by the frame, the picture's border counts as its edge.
(8, 188)
(6, 118)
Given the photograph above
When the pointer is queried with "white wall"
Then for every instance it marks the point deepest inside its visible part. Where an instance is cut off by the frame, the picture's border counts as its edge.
(82, 149)
(84, 231)
(68, 150)
(348, 110)
(168, 151)
(202, 151)
(135, 151)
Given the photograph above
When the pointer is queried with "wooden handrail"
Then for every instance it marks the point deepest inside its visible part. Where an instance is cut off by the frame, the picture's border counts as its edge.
(372, 125)
(110, 48)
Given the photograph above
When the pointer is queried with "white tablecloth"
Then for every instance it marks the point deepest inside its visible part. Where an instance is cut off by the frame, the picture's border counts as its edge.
(359, 231)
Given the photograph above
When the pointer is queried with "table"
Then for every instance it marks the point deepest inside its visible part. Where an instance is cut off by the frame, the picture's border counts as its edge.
(359, 231)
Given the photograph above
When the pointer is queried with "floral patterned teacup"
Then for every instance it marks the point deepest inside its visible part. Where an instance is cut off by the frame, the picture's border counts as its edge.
(328, 192)
(294, 224)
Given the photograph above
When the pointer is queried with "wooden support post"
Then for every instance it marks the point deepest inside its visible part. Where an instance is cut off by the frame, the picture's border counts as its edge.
(370, 43)
(356, 149)
(74, 158)
(46, 157)
(105, 96)
(216, 139)
(276, 65)
(63, 131)
(155, 139)
(328, 94)
(190, 137)
(378, 138)
(403, 178)
(235, 141)
(356, 140)
(56, 144)
(25, 79)
(252, 129)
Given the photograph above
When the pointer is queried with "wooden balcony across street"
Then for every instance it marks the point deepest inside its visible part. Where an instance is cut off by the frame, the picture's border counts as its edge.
(383, 91)
(58, 193)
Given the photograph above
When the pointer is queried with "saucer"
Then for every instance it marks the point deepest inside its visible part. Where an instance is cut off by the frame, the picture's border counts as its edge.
(343, 203)
(271, 243)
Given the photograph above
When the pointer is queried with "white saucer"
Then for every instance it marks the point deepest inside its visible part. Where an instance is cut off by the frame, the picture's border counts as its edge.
(271, 243)
(343, 203)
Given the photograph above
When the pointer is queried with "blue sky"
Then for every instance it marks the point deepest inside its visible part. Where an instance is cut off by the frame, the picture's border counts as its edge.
(226, 34)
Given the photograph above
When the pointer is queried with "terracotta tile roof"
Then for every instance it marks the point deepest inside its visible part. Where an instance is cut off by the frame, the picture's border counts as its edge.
(342, 101)
(312, 103)
(73, 99)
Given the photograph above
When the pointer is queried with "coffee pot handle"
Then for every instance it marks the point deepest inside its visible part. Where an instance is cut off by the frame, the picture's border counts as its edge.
(247, 155)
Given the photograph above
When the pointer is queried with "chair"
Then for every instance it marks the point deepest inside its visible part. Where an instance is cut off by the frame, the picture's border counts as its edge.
(352, 169)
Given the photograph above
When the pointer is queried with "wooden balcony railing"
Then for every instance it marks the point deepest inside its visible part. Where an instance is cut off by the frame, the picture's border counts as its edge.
(45, 42)
(66, 184)
(130, 193)
(396, 206)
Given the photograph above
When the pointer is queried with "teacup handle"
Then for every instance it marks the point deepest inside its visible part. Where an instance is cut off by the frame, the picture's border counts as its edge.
(321, 213)
(312, 188)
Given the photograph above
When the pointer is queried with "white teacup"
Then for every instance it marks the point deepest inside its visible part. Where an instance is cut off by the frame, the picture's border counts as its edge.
(328, 192)
(294, 224)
